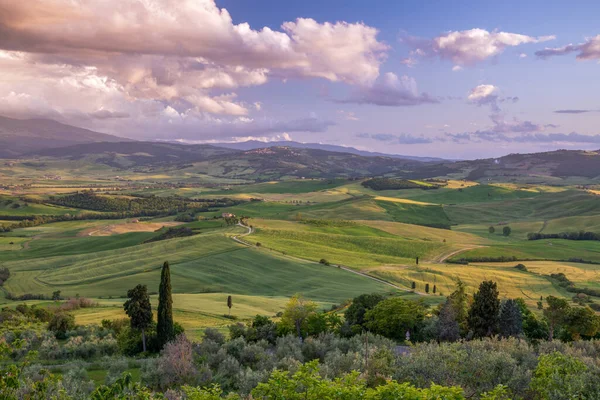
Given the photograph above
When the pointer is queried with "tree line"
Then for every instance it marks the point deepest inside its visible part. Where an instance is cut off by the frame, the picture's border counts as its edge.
(581, 235)
(395, 184)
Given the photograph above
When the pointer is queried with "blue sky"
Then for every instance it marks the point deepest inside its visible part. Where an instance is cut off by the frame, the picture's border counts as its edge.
(431, 78)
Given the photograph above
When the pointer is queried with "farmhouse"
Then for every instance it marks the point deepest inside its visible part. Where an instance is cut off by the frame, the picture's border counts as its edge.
(227, 215)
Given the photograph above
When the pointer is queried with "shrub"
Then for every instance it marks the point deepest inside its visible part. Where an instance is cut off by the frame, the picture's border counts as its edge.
(521, 267)
(60, 324)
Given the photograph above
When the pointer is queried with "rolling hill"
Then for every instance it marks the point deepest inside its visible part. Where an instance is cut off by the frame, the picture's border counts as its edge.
(18, 136)
(259, 164)
(255, 144)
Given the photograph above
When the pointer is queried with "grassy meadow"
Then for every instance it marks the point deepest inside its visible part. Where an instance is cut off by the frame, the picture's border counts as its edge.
(376, 234)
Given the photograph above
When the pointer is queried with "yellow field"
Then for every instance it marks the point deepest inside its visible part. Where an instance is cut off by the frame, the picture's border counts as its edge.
(583, 274)
(457, 184)
(128, 227)
(512, 283)
(406, 201)
(424, 232)
(195, 312)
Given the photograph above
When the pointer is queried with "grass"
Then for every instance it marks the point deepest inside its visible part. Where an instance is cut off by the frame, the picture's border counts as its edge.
(352, 245)
(512, 283)
(200, 264)
(418, 214)
(583, 275)
(28, 208)
(195, 312)
(550, 249)
(11, 244)
(545, 206)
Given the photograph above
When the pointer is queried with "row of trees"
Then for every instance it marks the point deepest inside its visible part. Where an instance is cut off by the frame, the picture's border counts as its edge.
(581, 235)
(506, 231)
(465, 316)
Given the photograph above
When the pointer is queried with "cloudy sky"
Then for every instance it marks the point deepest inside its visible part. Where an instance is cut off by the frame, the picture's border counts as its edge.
(408, 77)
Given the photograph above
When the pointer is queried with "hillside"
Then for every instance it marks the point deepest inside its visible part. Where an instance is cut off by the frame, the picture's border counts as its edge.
(129, 154)
(257, 164)
(255, 144)
(18, 136)
(556, 164)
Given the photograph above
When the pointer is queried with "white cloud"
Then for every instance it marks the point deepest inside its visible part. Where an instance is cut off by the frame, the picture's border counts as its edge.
(457, 68)
(482, 93)
(390, 90)
(471, 46)
(86, 62)
(588, 50)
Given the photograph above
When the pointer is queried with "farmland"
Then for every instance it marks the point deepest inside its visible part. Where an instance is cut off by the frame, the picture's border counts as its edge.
(297, 225)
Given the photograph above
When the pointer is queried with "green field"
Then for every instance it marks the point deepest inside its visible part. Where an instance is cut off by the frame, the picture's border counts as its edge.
(297, 223)
(203, 263)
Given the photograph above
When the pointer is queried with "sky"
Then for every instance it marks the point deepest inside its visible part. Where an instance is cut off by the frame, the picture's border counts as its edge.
(426, 78)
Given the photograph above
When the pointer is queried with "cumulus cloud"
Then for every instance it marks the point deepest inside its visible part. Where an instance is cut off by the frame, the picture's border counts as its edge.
(471, 46)
(190, 29)
(390, 90)
(131, 59)
(403, 138)
(588, 50)
(485, 95)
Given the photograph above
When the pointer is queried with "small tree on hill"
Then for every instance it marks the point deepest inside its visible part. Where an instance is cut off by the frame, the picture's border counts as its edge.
(56, 295)
(506, 231)
(139, 310)
(427, 288)
(483, 314)
(164, 326)
(229, 303)
(413, 285)
(491, 230)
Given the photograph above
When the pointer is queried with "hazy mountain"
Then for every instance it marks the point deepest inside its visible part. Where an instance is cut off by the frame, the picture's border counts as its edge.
(560, 164)
(255, 144)
(264, 163)
(19, 136)
(132, 154)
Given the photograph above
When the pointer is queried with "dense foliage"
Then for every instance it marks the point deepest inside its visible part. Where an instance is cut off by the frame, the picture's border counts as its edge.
(171, 233)
(394, 184)
(564, 235)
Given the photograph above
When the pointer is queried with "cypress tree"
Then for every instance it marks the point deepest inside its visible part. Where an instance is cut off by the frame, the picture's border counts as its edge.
(511, 320)
(164, 326)
(485, 310)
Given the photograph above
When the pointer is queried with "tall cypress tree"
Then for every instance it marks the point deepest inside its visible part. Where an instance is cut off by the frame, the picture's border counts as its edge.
(164, 326)
(485, 310)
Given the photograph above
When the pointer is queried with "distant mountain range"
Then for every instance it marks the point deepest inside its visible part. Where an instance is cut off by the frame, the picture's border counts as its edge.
(255, 144)
(18, 136)
(44, 138)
